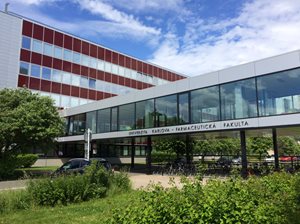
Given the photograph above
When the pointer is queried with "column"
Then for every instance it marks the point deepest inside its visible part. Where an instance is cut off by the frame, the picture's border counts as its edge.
(275, 147)
(132, 152)
(148, 155)
(244, 153)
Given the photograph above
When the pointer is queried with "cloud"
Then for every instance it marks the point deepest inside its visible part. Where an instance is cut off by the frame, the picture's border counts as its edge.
(262, 28)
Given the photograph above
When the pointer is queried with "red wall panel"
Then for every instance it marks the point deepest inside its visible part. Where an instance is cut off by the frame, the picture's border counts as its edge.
(66, 90)
(45, 86)
(114, 79)
(134, 64)
(34, 83)
(99, 95)
(56, 87)
(77, 45)
(67, 66)
(107, 77)
(92, 94)
(139, 85)
(127, 82)
(68, 42)
(85, 48)
(121, 60)
(84, 71)
(27, 28)
(75, 91)
(100, 75)
(121, 80)
(57, 64)
(23, 81)
(38, 32)
(47, 61)
(93, 51)
(83, 93)
(108, 55)
(76, 69)
(48, 35)
(93, 73)
(25, 55)
(36, 58)
(134, 84)
(101, 53)
(127, 62)
(145, 68)
(115, 58)
(139, 66)
(58, 39)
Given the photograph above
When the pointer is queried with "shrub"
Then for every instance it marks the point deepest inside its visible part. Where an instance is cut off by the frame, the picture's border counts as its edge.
(26, 160)
(8, 165)
(270, 199)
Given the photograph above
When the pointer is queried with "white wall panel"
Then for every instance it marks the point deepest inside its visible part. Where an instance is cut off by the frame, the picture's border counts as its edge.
(204, 80)
(237, 72)
(277, 63)
(10, 44)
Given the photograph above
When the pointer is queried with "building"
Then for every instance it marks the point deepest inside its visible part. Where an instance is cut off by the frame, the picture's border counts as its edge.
(257, 96)
(71, 70)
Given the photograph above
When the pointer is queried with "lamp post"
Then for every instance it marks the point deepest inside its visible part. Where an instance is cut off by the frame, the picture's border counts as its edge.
(87, 144)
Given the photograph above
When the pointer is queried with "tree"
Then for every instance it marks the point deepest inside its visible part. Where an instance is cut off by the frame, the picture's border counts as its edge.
(260, 145)
(288, 146)
(27, 120)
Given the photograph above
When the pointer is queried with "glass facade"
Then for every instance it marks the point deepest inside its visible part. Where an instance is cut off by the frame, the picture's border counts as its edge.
(238, 99)
(279, 93)
(145, 114)
(91, 121)
(126, 118)
(183, 108)
(103, 121)
(205, 105)
(166, 110)
(114, 119)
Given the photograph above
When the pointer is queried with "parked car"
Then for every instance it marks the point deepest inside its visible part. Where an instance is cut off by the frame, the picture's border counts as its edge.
(78, 165)
(270, 159)
(287, 158)
(237, 160)
(224, 161)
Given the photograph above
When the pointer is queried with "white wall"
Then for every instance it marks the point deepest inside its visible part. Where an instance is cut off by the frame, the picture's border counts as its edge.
(10, 44)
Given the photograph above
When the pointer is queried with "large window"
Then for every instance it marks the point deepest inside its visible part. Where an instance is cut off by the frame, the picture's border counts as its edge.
(166, 110)
(145, 114)
(205, 105)
(24, 68)
(183, 108)
(238, 99)
(114, 119)
(46, 73)
(91, 121)
(279, 93)
(78, 124)
(48, 48)
(126, 117)
(35, 71)
(37, 46)
(103, 121)
(26, 42)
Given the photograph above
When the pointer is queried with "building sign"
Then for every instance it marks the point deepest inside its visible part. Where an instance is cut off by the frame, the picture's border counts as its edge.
(220, 125)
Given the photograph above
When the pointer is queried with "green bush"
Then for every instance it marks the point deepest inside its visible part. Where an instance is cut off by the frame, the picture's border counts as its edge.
(270, 199)
(26, 160)
(8, 165)
(160, 157)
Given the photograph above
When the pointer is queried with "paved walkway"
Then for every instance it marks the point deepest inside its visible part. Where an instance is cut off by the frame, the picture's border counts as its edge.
(138, 181)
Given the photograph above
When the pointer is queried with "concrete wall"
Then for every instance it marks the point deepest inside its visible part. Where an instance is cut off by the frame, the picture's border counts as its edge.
(10, 45)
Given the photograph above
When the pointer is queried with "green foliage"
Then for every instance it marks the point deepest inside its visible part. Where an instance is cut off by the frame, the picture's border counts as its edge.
(96, 182)
(288, 146)
(170, 146)
(14, 200)
(160, 157)
(260, 145)
(270, 199)
(26, 160)
(27, 120)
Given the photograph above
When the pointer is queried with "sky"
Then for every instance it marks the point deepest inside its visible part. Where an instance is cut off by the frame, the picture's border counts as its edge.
(192, 37)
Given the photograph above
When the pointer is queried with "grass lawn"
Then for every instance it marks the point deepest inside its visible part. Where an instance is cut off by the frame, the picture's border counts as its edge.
(95, 211)
(40, 168)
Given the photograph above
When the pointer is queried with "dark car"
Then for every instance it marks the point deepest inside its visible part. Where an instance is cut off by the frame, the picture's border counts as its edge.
(78, 165)
(224, 161)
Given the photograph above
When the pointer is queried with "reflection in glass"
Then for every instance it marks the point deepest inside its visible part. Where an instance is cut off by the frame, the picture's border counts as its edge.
(183, 108)
(91, 121)
(238, 99)
(279, 93)
(114, 119)
(26, 42)
(37, 46)
(205, 105)
(126, 117)
(35, 71)
(46, 73)
(103, 121)
(24, 68)
(166, 110)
